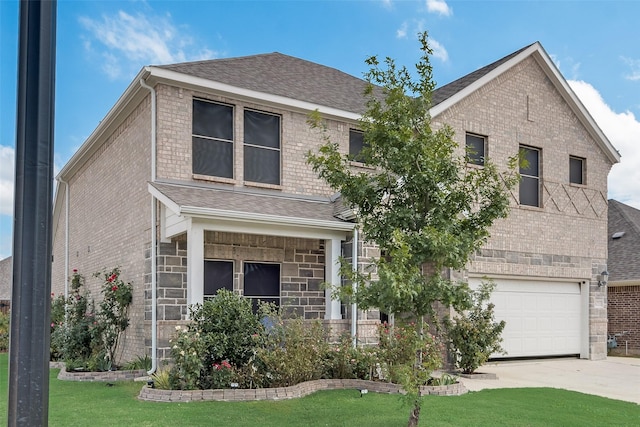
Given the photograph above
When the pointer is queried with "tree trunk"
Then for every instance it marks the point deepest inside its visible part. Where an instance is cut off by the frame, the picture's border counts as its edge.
(414, 416)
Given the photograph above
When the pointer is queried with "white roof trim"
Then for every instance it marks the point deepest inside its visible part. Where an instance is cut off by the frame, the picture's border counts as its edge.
(540, 55)
(163, 74)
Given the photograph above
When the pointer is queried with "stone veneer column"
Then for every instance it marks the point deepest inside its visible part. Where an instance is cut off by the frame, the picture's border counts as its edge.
(332, 276)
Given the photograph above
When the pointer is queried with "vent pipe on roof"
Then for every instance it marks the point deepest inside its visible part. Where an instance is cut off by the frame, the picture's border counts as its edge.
(154, 244)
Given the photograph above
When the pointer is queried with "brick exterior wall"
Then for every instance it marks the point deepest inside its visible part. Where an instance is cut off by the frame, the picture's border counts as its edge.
(566, 238)
(109, 218)
(623, 304)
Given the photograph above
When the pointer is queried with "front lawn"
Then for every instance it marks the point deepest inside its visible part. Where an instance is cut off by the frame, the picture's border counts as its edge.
(96, 404)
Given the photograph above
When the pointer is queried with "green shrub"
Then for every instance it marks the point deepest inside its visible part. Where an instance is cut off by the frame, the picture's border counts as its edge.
(88, 339)
(113, 316)
(187, 352)
(140, 362)
(475, 335)
(343, 360)
(398, 346)
(4, 331)
(293, 352)
(57, 325)
(161, 379)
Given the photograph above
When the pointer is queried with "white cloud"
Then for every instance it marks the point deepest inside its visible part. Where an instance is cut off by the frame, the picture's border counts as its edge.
(634, 64)
(622, 129)
(137, 40)
(438, 50)
(440, 7)
(7, 177)
(388, 4)
(401, 33)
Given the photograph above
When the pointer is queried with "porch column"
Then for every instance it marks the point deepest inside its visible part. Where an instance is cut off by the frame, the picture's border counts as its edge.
(195, 262)
(332, 276)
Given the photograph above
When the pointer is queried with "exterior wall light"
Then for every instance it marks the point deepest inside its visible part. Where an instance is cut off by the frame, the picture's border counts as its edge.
(602, 281)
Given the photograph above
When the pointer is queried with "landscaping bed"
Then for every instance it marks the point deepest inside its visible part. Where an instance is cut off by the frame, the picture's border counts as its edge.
(299, 390)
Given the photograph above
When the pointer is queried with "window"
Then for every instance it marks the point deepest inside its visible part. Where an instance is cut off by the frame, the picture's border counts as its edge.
(212, 139)
(262, 282)
(576, 170)
(475, 146)
(217, 275)
(530, 177)
(356, 144)
(261, 147)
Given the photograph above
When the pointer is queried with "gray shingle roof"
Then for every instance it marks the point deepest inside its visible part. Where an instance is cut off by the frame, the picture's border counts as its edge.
(245, 201)
(284, 75)
(624, 252)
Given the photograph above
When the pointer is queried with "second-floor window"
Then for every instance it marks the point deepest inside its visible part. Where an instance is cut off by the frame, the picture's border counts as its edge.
(475, 146)
(212, 139)
(261, 147)
(530, 176)
(576, 170)
(356, 144)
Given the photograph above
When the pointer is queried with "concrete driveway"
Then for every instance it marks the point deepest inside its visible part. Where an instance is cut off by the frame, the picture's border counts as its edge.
(615, 377)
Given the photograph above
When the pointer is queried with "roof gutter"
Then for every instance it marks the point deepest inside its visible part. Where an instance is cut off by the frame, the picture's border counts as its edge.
(154, 234)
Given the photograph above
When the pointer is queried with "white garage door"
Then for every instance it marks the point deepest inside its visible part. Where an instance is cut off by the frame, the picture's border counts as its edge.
(543, 318)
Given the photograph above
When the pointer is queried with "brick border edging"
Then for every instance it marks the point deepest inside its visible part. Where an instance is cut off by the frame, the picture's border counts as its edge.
(292, 392)
(100, 376)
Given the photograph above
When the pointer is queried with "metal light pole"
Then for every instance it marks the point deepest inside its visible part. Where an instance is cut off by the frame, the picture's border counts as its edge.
(32, 243)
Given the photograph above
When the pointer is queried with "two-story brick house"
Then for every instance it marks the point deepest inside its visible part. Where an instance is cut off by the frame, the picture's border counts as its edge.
(203, 163)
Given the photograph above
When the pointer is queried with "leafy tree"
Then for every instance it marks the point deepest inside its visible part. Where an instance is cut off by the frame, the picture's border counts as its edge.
(419, 202)
(474, 334)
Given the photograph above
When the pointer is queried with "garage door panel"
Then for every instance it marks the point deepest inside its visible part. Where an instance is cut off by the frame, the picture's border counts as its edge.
(542, 318)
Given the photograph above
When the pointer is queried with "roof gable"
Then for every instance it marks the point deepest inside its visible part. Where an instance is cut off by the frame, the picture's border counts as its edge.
(452, 93)
(624, 251)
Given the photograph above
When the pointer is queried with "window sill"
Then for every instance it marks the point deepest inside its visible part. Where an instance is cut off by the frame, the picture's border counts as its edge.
(262, 185)
(209, 178)
(360, 165)
(573, 184)
(531, 208)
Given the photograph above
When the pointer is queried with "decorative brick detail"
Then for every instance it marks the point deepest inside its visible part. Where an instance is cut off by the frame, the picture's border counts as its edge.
(283, 393)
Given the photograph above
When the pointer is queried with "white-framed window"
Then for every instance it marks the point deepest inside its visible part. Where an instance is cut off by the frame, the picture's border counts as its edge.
(218, 274)
(530, 176)
(475, 146)
(261, 147)
(212, 138)
(577, 170)
(262, 282)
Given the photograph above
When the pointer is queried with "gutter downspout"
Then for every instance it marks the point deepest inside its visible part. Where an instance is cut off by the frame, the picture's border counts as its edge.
(154, 243)
(354, 306)
(66, 241)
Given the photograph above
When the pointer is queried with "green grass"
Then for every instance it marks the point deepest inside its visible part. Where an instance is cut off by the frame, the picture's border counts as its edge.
(95, 404)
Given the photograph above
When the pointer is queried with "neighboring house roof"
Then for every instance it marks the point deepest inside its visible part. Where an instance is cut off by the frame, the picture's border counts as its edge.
(191, 199)
(624, 251)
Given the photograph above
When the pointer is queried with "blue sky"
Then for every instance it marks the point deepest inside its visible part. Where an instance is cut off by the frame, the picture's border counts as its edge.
(101, 45)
